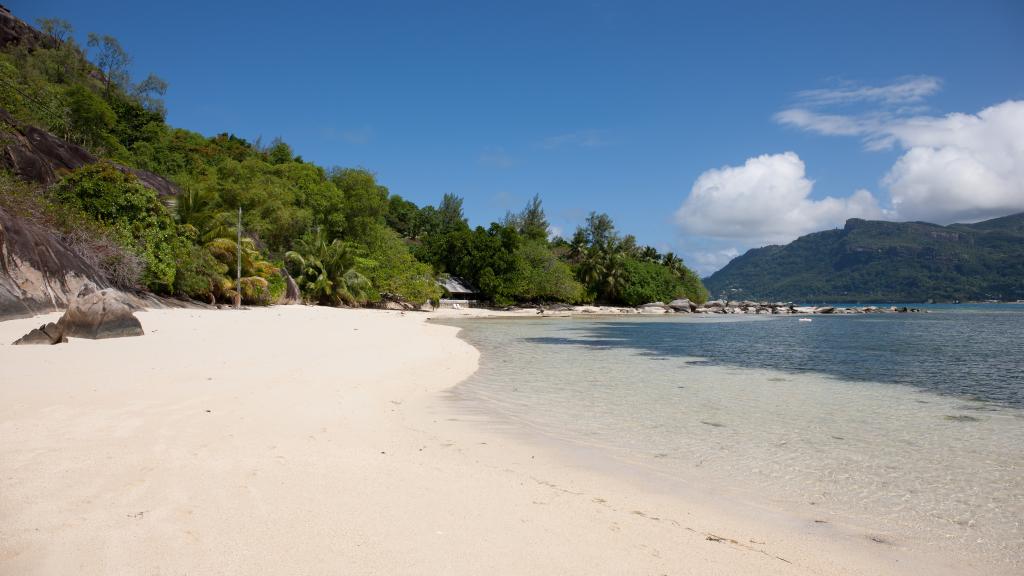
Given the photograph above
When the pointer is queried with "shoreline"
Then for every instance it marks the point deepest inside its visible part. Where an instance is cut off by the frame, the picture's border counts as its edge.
(299, 439)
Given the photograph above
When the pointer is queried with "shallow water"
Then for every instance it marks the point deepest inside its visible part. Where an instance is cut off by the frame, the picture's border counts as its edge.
(907, 427)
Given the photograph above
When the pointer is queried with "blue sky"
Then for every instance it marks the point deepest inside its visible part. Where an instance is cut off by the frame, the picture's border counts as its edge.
(747, 114)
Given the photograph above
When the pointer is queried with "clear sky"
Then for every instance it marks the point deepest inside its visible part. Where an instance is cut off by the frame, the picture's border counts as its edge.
(703, 127)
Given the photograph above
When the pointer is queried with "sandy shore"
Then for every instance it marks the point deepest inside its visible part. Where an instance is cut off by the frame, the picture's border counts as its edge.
(296, 440)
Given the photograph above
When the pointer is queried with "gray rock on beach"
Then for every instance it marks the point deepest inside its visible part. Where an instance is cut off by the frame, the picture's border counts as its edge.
(99, 314)
(47, 334)
(682, 305)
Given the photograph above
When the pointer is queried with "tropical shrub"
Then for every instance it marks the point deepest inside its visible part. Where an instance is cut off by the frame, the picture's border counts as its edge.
(325, 271)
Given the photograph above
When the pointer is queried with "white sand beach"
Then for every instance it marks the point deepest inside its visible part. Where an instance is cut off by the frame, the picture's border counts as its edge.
(301, 440)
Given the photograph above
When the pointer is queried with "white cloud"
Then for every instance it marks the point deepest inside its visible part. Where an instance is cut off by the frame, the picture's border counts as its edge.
(707, 262)
(829, 124)
(907, 90)
(961, 167)
(767, 199)
(953, 168)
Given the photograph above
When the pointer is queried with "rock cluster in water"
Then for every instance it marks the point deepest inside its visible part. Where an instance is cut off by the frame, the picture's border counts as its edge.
(684, 306)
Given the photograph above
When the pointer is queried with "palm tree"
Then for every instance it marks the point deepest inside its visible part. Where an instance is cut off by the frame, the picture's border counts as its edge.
(673, 263)
(200, 209)
(325, 271)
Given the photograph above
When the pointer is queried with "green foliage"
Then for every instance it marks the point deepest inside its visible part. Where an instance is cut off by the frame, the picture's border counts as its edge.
(365, 201)
(617, 270)
(111, 59)
(91, 118)
(392, 269)
(645, 282)
(256, 290)
(325, 271)
(344, 237)
(131, 211)
(545, 277)
(198, 274)
(869, 261)
(531, 221)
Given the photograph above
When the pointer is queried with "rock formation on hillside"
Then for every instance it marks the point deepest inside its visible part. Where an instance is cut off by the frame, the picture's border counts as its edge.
(38, 272)
(37, 156)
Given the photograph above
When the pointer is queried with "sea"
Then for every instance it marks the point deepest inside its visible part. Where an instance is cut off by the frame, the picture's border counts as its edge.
(909, 427)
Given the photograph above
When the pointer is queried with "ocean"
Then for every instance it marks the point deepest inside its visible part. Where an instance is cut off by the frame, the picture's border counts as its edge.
(908, 427)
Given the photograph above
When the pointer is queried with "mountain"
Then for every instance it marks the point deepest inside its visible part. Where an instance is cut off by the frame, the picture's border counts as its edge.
(873, 261)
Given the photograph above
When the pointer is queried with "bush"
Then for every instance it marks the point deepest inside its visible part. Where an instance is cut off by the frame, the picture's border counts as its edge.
(255, 290)
(391, 268)
(132, 213)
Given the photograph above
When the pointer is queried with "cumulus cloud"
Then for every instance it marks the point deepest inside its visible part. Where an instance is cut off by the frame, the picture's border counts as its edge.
(953, 168)
(767, 199)
(961, 167)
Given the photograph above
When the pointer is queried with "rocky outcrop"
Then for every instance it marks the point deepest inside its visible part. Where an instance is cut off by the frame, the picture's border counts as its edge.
(682, 305)
(36, 155)
(291, 295)
(654, 308)
(13, 30)
(39, 273)
(47, 334)
(99, 314)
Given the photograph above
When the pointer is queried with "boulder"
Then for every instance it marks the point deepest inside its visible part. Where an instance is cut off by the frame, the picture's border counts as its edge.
(39, 272)
(291, 295)
(714, 304)
(682, 305)
(654, 308)
(99, 314)
(46, 334)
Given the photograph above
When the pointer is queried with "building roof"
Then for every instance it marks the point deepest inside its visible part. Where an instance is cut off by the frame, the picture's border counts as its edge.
(456, 285)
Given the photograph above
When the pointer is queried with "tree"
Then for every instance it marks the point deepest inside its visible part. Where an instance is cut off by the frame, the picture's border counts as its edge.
(279, 152)
(600, 231)
(366, 201)
(91, 117)
(450, 213)
(58, 30)
(111, 59)
(148, 93)
(325, 271)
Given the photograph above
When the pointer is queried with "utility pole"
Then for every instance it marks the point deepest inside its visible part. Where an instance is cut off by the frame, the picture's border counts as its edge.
(238, 268)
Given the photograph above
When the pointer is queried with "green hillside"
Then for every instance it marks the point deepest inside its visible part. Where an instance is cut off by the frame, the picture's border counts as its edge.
(86, 155)
(871, 261)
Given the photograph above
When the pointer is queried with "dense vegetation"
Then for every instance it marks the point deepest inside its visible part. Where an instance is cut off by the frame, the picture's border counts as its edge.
(338, 232)
(870, 261)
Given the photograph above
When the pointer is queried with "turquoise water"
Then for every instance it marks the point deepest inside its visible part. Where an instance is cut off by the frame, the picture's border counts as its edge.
(905, 426)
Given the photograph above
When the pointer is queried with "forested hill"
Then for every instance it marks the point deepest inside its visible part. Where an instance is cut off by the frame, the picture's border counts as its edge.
(89, 165)
(872, 261)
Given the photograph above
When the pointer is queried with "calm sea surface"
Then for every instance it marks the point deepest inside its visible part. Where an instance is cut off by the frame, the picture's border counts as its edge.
(908, 426)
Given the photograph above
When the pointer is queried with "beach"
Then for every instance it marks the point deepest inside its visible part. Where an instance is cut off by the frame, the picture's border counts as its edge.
(309, 440)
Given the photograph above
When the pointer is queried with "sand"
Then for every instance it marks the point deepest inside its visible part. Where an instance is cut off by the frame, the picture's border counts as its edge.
(299, 440)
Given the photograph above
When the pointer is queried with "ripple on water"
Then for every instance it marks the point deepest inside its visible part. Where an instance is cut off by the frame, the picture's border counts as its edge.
(893, 459)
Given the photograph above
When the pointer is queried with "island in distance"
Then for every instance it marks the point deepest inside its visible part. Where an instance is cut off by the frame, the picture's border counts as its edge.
(876, 261)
